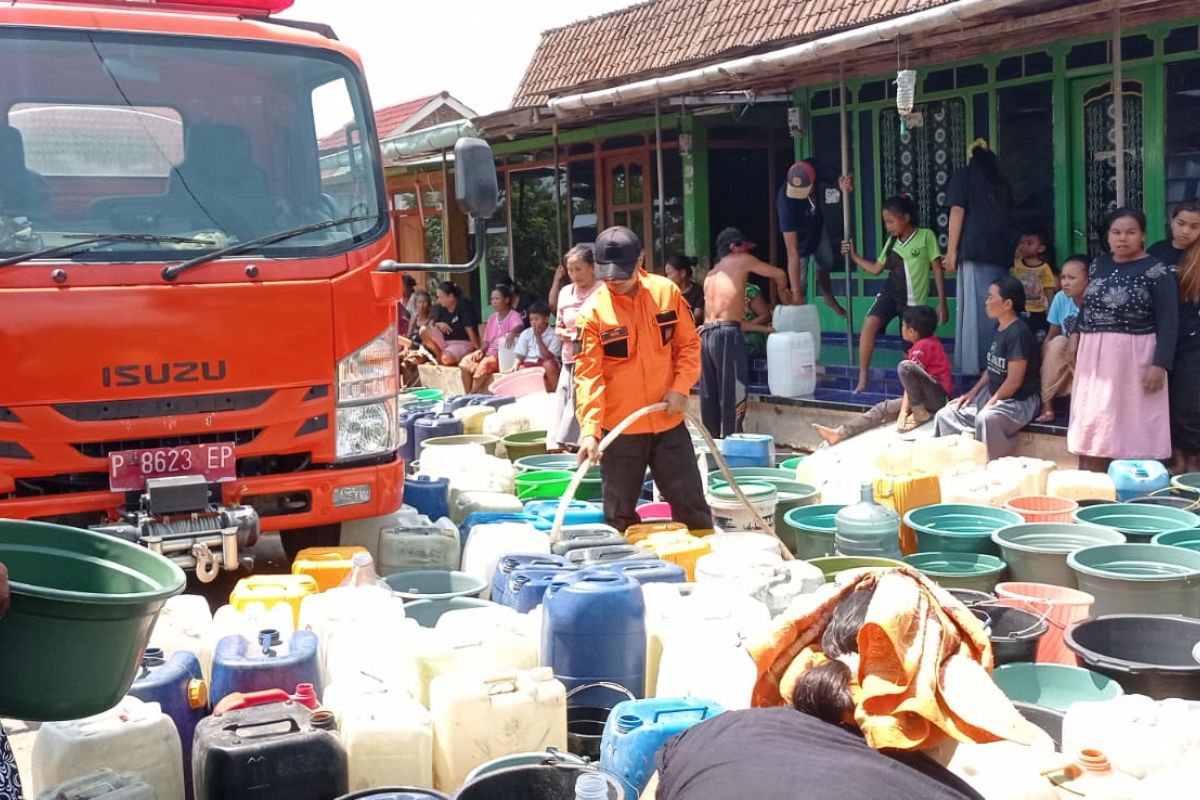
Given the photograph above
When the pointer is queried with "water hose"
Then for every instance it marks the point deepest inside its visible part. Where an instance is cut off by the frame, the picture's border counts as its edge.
(763, 524)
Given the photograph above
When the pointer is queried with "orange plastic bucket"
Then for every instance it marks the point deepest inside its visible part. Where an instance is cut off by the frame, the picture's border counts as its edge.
(1043, 508)
(1059, 605)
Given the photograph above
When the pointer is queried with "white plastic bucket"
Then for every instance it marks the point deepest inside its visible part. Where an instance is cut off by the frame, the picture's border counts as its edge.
(730, 513)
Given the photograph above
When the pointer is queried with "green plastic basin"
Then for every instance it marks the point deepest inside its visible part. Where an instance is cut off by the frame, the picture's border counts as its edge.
(974, 571)
(955, 528)
(791, 464)
(525, 443)
(547, 484)
(832, 565)
(435, 584)
(428, 612)
(83, 606)
(1037, 552)
(1054, 685)
(1139, 578)
(546, 461)
(422, 396)
(1188, 539)
(1140, 522)
(809, 531)
(757, 474)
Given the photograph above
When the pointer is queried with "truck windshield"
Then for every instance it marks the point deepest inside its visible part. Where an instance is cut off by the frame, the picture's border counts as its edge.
(182, 145)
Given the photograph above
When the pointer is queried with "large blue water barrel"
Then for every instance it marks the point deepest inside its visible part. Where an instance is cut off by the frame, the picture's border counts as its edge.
(647, 571)
(594, 630)
(525, 588)
(749, 450)
(270, 661)
(508, 564)
(407, 425)
(177, 685)
(429, 496)
(435, 425)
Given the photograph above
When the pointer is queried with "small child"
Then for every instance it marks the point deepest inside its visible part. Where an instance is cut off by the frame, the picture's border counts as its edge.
(538, 346)
(910, 255)
(1058, 371)
(925, 376)
(1030, 268)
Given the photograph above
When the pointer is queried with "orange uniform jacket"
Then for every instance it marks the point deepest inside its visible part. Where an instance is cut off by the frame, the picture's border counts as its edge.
(632, 351)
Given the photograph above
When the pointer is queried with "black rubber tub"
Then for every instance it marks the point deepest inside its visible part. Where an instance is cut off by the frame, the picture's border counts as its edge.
(1151, 654)
(1015, 634)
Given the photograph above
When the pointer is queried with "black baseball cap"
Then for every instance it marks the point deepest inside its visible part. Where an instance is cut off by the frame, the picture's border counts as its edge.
(727, 238)
(617, 250)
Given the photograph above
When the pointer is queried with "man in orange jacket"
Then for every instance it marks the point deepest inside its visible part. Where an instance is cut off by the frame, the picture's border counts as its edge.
(638, 346)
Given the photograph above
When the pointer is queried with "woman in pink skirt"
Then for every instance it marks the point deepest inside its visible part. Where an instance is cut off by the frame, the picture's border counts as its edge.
(1126, 343)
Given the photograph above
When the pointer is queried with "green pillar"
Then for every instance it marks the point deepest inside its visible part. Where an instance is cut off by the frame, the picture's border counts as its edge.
(697, 240)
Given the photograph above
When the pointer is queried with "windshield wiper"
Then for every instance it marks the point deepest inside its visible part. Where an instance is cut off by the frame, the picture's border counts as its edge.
(91, 243)
(172, 272)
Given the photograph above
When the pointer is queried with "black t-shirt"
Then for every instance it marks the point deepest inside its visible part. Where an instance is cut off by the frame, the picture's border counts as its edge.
(1166, 252)
(1014, 342)
(462, 318)
(802, 217)
(782, 754)
(987, 220)
(695, 298)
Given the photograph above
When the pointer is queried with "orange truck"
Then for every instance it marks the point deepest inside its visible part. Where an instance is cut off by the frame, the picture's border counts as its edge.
(198, 305)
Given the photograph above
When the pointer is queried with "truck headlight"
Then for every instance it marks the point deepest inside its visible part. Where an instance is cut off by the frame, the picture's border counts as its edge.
(369, 373)
(366, 429)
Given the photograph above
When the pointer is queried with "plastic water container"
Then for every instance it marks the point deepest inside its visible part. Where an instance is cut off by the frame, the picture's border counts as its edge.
(475, 641)
(177, 685)
(797, 319)
(949, 455)
(749, 450)
(1030, 474)
(133, 736)
(184, 626)
(894, 457)
(419, 545)
(579, 512)
(1137, 478)
(407, 430)
(730, 513)
(477, 719)
(436, 426)
(867, 528)
(430, 497)
(486, 544)
(644, 572)
(472, 417)
(349, 613)
(272, 590)
(270, 660)
(512, 562)
(744, 540)
(328, 566)
(477, 472)
(229, 621)
(682, 549)
(576, 537)
(102, 784)
(279, 749)
(636, 534)
(981, 487)
(1139, 735)
(594, 630)
(472, 502)
(365, 532)
(388, 735)
(610, 554)
(527, 587)
(637, 729)
(791, 364)
(1078, 484)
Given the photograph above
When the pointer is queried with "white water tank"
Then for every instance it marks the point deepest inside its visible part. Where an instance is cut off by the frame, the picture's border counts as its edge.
(791, 364)
(799, 319)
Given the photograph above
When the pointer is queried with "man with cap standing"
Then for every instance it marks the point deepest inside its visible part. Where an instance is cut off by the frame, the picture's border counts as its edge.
(803, 228)
(724, 366)
(638, 346)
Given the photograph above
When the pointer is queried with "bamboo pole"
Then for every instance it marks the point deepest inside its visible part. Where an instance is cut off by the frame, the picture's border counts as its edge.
(662, 205)
(558, 245)
(1118, 83)
(845, 134)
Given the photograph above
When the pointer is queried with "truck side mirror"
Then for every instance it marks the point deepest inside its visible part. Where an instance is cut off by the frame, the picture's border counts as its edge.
(475, 186)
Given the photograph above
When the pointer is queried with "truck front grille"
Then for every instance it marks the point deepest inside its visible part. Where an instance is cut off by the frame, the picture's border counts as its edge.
(163, 406)
(103, 449)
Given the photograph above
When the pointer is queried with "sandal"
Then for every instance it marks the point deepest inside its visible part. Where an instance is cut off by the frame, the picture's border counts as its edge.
(908, 425)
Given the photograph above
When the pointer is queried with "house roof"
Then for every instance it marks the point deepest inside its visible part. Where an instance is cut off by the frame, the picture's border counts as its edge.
(657, 35)
(407, 116)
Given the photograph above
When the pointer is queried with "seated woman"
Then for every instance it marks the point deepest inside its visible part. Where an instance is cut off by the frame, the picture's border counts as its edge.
(1006, 398)
(502, 327)
(455, 328)
(539, 346)
(888, 640)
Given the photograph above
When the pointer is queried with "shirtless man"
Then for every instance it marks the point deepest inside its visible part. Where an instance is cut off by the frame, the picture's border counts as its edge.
(723, 363)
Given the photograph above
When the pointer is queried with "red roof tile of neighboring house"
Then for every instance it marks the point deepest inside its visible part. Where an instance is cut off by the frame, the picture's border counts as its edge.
(402, 117)
(656, 35)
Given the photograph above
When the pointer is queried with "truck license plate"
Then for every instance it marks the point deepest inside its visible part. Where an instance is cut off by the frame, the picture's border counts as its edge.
(128, 470)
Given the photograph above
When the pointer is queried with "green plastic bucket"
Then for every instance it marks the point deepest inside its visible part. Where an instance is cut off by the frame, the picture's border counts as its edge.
(791, 464)
(955, 528)
(960, 570)
(1140, 522)
(1139, 578)
(809, 531)
(1054, 686)
(544, 484)
(1037, 552)
(435, 584)
(832, 565)
(546, 461)
(422, 396)
(83, 606)
(1188, 539)
(428, 612)
(525, 443)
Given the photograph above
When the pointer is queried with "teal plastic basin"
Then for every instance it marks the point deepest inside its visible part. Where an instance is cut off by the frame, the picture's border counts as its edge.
(1140, 522)
(1139, 578)
(1037, 552)
(83, 606)
(1189, 539)
(975, 571)
(957, 528)
(428, 612)
(1054, 685)
(754, 474)
(435, 584)
(809, 531)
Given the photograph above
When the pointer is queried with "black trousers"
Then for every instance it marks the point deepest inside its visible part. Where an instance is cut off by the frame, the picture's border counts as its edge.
(672, 462)
(724, 373)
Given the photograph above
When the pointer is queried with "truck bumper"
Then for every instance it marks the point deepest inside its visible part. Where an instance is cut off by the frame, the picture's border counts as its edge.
(311, 493)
